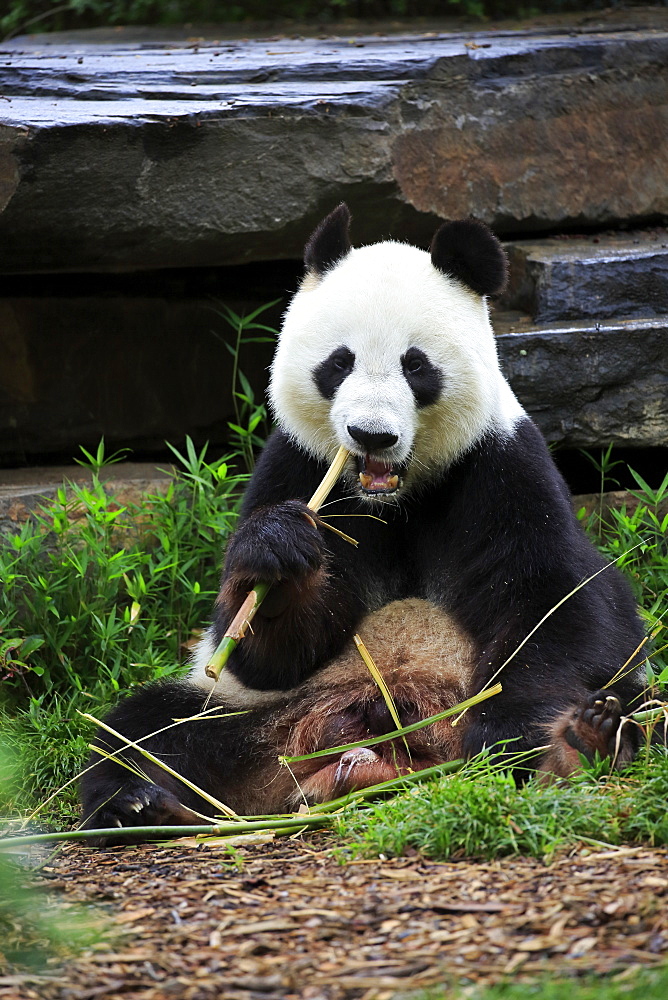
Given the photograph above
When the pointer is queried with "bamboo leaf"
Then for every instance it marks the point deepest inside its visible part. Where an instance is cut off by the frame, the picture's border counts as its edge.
(380, 682)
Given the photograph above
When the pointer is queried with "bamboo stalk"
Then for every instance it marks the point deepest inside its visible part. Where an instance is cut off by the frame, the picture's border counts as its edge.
(219, 830)
(330, 477)
(248, 609)
(279, 823)
(322, 814)
(650, 715)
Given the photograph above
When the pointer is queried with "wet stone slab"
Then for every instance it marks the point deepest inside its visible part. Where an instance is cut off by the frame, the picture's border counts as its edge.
(127, 157)
(588, 384)
(590, 277)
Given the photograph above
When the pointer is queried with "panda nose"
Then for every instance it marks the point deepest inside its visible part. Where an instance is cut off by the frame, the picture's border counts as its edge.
(372, 441)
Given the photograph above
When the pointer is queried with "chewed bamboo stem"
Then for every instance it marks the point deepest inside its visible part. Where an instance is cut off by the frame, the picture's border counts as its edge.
(329, 479)
(248, 609)
(237, 630)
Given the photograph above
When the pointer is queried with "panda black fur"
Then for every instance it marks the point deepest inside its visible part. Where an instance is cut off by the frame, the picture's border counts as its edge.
(389, 351)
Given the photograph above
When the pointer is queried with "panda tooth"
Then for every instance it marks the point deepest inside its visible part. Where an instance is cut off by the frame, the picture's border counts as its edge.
(393, 482)
(366, 480)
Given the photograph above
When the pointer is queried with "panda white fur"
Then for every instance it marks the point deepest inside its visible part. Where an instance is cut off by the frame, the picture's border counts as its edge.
(388, 350)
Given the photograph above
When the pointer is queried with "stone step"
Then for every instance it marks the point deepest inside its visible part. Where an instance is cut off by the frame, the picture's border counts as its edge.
(588, 384)
(590, 277)
(114, 157)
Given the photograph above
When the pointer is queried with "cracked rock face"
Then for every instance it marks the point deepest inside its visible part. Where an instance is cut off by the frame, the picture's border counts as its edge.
(141, 157)
(131, 157)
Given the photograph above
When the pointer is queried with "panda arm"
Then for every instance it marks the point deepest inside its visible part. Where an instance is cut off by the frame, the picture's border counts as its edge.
(512, 549)
(315, 600)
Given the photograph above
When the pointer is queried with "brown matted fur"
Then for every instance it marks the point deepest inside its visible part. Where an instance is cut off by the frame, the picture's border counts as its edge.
(426, 672)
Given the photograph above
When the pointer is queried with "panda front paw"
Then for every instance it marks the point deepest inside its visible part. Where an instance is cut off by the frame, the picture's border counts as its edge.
(275, 543)
(137, 803)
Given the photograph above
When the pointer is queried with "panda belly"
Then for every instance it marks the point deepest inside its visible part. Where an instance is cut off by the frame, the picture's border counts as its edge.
(426, 662)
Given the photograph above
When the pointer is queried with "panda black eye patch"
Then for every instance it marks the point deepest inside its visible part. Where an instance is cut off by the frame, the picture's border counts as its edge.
(424, 378)
(331, 372)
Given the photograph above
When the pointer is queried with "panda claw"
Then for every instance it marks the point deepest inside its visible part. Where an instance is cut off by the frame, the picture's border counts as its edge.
(596, 727)
(352, 758)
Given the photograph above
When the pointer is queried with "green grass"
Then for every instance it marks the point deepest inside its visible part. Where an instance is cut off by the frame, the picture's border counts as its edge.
(99, 598)
(481, 812)
(635, 984)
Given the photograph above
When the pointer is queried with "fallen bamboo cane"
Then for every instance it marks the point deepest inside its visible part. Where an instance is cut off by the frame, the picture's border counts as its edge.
(319, 815)
(248, 609)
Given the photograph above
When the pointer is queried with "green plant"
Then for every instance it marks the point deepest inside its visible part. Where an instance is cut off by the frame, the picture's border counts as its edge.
(100, 459)
(98, 597)
(637, 536)
(481, 812)
(250, 430)
(604, 466)
(634, 983)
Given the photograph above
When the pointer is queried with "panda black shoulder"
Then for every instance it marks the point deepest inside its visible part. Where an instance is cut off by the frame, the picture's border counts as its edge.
(514, 478)
(283, 470)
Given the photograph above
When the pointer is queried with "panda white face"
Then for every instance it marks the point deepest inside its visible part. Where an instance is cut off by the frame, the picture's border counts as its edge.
(387, 355)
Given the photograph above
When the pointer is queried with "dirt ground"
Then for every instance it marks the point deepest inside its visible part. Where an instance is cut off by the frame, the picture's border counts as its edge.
(290, 921)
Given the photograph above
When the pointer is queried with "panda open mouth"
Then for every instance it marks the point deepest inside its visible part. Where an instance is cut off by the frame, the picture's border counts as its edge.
(378, 477)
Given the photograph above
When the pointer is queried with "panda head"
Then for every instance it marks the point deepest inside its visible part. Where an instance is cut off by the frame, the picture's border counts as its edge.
(388, 350)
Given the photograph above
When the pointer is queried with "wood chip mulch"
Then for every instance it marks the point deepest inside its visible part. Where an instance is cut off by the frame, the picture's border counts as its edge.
(294, 923)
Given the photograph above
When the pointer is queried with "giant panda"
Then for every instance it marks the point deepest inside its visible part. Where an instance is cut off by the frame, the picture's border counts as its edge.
(466, 540)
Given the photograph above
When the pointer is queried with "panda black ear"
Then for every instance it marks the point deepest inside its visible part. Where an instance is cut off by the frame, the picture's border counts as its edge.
(330, 241)
(469, 251)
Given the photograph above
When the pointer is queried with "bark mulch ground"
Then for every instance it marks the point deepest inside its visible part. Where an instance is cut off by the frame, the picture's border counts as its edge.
(292, 922)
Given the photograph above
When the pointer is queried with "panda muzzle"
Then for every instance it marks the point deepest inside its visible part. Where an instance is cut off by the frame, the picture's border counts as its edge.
(378, 477)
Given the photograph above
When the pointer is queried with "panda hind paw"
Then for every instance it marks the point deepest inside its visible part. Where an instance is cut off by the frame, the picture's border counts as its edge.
(595, 728)
(136, 804)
